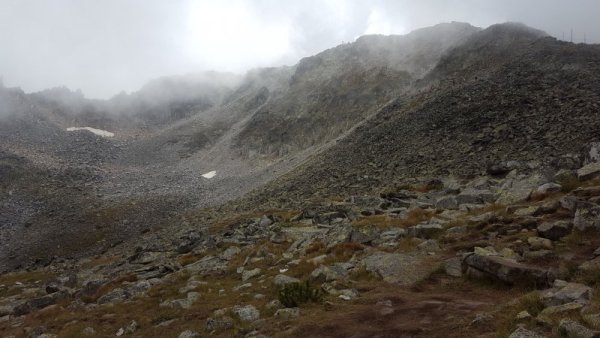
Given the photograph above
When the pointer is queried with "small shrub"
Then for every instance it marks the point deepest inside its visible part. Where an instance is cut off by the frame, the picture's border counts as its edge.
(315, 247)
(569, 183)
(294, 294)
(346, 249)
(532, 303)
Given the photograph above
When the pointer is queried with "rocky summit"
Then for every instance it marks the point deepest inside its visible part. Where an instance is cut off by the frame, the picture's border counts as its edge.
(443, 183)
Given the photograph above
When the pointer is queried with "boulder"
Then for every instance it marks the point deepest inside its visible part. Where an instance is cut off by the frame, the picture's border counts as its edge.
(206, 265)
(590, 265)
(569, 203)
(265, 221)
(281, 280)
(217, 324)
(327, 274)
(518, 190)
(588, 171)
(446, 202)
(364, 235)
(538, 243)
(183, 303)
(188, 334)
(548, 188)
(430, 245)
(554, 230)
(587, 191)
(572, 329)
(425, 230)
(246, 313)
(452, 267)
(587, 216)
(506, 270)
(524, 333)
(398, 268)
(472, 196)
(248, 274)
(563, 293)
(392, 235)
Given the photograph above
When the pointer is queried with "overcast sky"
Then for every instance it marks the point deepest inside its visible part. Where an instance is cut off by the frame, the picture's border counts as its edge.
(105, 46)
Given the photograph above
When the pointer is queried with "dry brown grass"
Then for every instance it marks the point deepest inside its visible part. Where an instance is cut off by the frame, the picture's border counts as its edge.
(108, 287)
(284, 214)
(100, 260)
(188, 259)
(315, 248)
(346, 250)
(26, 277)
(383, 222)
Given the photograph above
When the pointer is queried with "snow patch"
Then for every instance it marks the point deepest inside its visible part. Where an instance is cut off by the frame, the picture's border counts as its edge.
(210, 174)
(98, 132)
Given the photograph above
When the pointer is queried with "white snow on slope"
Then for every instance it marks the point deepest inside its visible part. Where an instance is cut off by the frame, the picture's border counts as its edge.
(98, 132)
(210, 174)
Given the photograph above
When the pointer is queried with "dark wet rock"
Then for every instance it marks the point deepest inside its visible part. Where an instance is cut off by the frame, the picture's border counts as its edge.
(554, 230)
(587, 216)
(506, 270)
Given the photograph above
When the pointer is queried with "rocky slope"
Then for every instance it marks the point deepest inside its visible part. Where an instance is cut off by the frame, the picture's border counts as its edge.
(532, 107)
(175, 129)
(443, 183)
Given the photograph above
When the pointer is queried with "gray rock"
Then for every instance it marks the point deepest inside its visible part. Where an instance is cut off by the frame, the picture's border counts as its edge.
(230, 252)
(88, 331)
(183, 303)
(587, 216)
(568, 307)
(482, 319)
(594, 154)
(505, 270)
(590, 265)
(563, 292)
(132, 327)
(425, 230)
(538, 243)
(287, 313)
(569, 203)
(246, 313)
(446, 202)
(452, 267)
(430, 245)
(473, 196)
(248, 274)
(573, 329)
(146, 257)
(115, 296)
(517, 190)
(392, 235)
(265, 221)
(278, 238)
(218, 324)
(206, 265)
(554, 230)
(548, 188)
(588, 171)
(188, 334)
(281, 280)
(329, 273)
(364, 235)
(524, 333)
(397, 268)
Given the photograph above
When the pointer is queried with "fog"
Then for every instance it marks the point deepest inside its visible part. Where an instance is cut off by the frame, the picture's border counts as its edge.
(105, 47)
